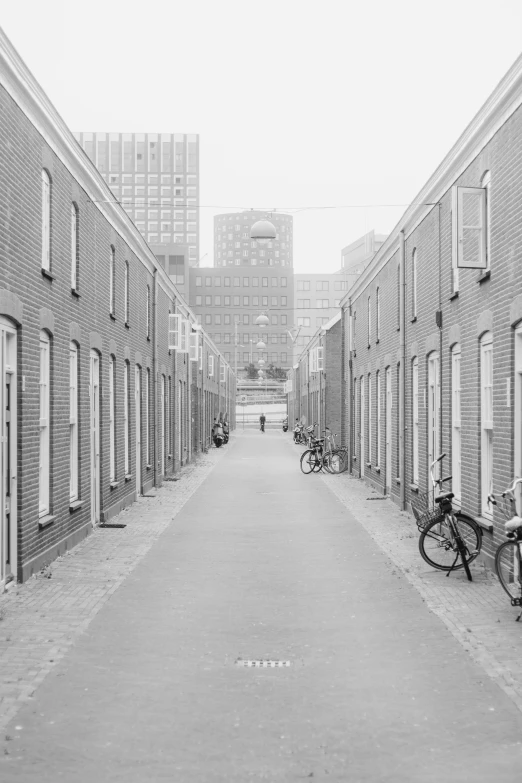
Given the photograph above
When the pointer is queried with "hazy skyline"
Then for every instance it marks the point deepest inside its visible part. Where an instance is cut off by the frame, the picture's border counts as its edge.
(294, 109)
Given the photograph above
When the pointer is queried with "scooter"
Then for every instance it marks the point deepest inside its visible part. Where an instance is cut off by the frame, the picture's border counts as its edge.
(225, 433)
(285, 425)
(219, 439)
(299, 433)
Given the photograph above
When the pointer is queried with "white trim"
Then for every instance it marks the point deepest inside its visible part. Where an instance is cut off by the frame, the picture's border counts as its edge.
(73, 421)
(45, 426)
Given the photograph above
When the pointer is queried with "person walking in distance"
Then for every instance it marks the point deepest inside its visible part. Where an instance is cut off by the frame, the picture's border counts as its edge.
(262, 421)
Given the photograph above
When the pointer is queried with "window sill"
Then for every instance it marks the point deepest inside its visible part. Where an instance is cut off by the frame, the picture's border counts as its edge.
(455, 295)
(414, 487)
(397, 481)
(44, 522)
(368, 464)
(413, 320)
(74, 505)
(114, 484)
(377, 469)
(485, 524)
(128, 476)
(148, 338)
(47, 274)
(484, 276)
(369, 346)
(127, 325)
(75, 293)
(112, 316)
(148, 467)
(377, 341)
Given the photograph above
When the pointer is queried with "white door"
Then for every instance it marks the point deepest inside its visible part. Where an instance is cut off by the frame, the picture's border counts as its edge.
(517, 419)
(8, 455)
(137, 408)
(94, 397)
(361, 428)
(180, 424)
(162, 425)
(389, 401)
(433, 410)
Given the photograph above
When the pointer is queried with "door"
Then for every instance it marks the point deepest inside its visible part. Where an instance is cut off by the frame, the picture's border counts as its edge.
(137, 408)
(518, 411)
(162, 425)
(94, 397)
(389, 401)
(433, 411)
(361, 427)
(8, 453)
(180, 424)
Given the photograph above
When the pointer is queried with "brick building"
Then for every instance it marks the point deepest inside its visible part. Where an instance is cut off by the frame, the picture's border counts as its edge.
(107, 382)
(432, 328)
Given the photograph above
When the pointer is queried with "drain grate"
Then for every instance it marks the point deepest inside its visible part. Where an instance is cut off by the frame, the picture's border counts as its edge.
(114, 524)
(262, 664)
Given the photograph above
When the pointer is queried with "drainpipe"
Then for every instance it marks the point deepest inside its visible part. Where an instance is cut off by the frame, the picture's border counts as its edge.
(402, 375)
(350, 390)
(155, 372)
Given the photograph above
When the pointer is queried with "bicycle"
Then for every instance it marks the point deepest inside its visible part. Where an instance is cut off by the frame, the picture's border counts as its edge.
(335, 458)
(312, 457)
(446, 535)
(508, 557)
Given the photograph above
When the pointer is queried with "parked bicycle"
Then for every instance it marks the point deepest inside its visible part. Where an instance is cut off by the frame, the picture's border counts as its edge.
(335, 458)
(312, 457)
(447, 536)
(508, 557)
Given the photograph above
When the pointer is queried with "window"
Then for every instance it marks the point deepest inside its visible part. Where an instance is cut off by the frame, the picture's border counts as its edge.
(75, 245)
(255, 282)
(45, 424)
(398, 296)
(208, 301)
(369, 321)
(46, 221)
(322, 285)
(456, 451)
(73, 421)
(208, 319)
(283, 320)
(174, 332)
(227, 282)
(469, 231)
(303, 285)
(112, 422)
(147, 313)
(246, 282)
(486, 185)
(273, 338)
(486, 420)
(303, 304)
(273, 320)
(246, 318)
(274, 282)
(341, 285)
(321, 320)
(237, 282)
(126, 417)
(378, 394)
(208, 281)
(198, 301)
(377, 315)
(198, 282)
(414, 284)
(303, 322)
(322, 304)
(283, 301)
(369, 439)
(217, 301)
(226, 319)
(126, 292)
(217, 319)
(112, 280)
(217, 282)
(283, 282)
(236, 300)
(246, 301)
(264, 282)
(415, 420)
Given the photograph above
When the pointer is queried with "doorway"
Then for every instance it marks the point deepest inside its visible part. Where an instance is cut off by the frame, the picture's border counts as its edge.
(137, 407)
(361, 428)
(389, 402)
(433, 411)
(94, 398)
(8, 452)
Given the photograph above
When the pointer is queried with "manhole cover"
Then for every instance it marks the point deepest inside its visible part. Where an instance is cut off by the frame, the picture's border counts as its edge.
(262, 664)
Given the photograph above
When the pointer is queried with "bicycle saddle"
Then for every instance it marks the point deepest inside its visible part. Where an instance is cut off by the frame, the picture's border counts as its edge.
(444, 496)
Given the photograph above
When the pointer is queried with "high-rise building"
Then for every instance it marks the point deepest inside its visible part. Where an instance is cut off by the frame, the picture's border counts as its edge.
(233, 246)
(257, 278)
(156, 178)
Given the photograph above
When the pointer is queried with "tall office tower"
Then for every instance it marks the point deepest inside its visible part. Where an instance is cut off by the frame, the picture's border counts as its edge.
(256, 279)
(233, 246)
(156, 178)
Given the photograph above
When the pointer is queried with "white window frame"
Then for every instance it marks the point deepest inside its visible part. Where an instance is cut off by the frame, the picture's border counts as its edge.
(193, 346)
(414, 284)
(147, 418)
(46, 220)
(73, 421)
(369, 320)
(222, 373)
(45, 425)
(319, 360)
(459, 229)
(485, 183)
(126, 291)
(210, 365)
(456, 440)
(112, 272)
(370, 418)
(175, 332)
(486, 422)
(377, 314)
(74, 246)
(415, 420)
(112, 421)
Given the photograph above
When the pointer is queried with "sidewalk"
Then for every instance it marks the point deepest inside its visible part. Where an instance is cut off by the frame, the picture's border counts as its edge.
(41, 619)
(477, 614)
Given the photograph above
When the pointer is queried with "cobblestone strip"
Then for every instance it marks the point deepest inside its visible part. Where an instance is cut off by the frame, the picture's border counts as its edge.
(478, 614)
(41, 619)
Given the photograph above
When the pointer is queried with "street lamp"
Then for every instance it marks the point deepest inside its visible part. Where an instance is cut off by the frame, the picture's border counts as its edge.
(262, 321)
(263, 231)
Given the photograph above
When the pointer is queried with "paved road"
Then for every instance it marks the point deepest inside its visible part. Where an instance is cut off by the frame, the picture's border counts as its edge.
(265, 563)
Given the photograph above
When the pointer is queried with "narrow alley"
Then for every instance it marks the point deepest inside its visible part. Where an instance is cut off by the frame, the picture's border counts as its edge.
(358, 680)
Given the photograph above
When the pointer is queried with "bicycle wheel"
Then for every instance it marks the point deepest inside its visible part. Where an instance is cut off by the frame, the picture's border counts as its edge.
(327, 458)
(507, 564)
(439, 548)
(339, 461)
(308, 461)
(318, 462)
